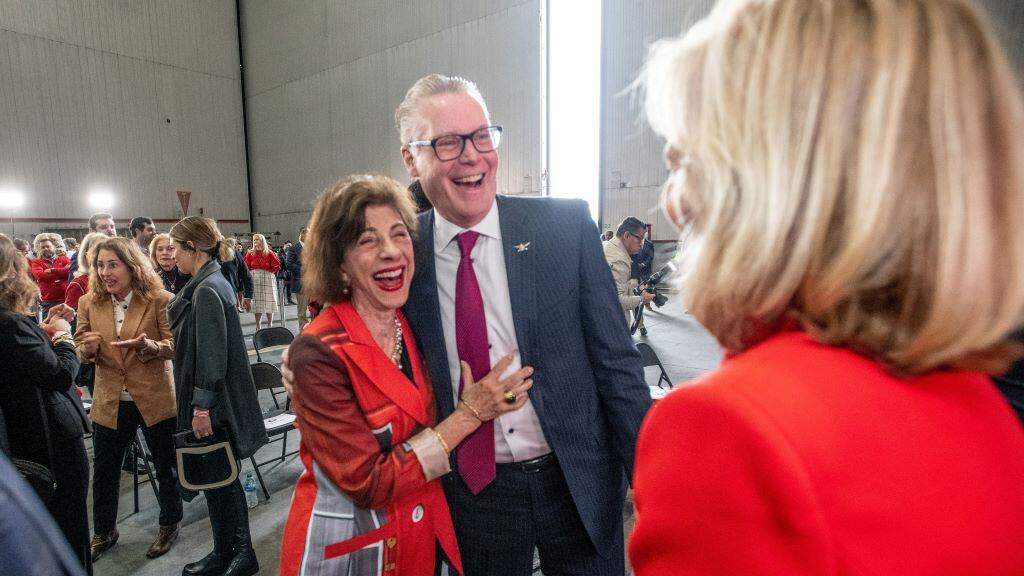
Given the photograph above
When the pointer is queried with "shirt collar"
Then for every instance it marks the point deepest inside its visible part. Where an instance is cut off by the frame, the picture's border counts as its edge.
(127, 299)
(445, 231)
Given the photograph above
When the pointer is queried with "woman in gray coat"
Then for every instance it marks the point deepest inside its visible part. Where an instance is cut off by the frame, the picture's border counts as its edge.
(214, 385)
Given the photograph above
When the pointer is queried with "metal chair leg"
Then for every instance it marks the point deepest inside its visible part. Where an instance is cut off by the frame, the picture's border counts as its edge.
(259, 477)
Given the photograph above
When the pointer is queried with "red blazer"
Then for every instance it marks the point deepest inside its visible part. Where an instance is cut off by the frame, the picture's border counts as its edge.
(798, 458)
(363, 505)
(52, 277)
(262, 261)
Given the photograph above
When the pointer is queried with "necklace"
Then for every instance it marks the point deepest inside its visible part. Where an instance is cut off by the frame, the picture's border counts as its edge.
(396, 355)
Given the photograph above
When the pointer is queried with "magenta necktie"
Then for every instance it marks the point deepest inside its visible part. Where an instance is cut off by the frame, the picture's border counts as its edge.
(476, 453)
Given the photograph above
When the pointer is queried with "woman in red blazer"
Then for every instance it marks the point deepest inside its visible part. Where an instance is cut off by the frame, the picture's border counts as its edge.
(370, 501)
(853, 176)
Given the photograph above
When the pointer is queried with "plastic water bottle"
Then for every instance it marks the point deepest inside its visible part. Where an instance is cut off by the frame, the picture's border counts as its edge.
(251, 498)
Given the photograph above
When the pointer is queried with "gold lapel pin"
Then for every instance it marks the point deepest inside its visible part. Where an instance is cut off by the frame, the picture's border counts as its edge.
(522, 247)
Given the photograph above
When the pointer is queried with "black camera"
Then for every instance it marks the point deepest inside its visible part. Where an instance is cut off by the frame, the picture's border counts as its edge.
(651, 285)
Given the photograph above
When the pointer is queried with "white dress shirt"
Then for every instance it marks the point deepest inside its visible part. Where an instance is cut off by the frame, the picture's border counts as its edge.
(517, 435)
(120, 310)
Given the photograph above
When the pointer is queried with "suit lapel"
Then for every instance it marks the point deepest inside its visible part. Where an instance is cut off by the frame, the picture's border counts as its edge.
(424, 313)
(101, 318)
(380, 371)
(521, 247)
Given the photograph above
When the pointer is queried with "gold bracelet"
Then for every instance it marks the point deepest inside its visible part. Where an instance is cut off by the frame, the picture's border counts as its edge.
(475, 412)
(444, 444)
(62, 339)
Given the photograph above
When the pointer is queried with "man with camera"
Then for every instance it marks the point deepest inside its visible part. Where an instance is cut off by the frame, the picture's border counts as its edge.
(628, 240)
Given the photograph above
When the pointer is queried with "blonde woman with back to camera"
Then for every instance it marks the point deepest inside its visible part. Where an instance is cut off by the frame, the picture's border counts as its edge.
(853, 175)
(214, 385)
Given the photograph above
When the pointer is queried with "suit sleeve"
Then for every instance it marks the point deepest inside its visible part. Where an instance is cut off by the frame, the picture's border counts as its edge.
(164, 339)
(335, 430)
(211, 352)
(46, 366)
(720, 491)
(616, 362)
(83, 324)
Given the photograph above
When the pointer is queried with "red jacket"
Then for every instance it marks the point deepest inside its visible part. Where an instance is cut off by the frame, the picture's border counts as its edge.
(262, 261)
(78, 286)
(363, 505)
(52, 276)
(798, 458)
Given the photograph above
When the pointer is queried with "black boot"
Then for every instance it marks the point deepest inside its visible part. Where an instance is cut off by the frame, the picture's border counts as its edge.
(215, 562)
(243, 562)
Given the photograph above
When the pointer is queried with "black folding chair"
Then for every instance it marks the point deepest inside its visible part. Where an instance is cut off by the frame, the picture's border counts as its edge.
(651, 359)
(268, 377)
(274, 337)
(137, 453)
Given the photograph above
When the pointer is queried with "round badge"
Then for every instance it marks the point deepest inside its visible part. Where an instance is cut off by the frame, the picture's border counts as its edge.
(417, 513)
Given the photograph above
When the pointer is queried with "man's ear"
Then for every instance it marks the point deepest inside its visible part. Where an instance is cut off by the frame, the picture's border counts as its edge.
(410, 162)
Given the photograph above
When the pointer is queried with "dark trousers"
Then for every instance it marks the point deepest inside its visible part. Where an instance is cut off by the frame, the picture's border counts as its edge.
(69, 503)
(229, 518)
(523, 509)
(109, 447)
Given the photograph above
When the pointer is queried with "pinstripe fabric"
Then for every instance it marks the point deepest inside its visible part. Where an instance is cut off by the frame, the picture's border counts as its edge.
(588, 382)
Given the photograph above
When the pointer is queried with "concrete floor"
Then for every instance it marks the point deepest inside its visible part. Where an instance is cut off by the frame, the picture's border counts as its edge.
(684, 347)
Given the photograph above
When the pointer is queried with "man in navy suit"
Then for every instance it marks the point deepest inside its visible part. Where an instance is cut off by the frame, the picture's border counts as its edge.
(552, 475)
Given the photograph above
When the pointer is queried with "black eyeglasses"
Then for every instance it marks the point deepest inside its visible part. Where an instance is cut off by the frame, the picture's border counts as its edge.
(450, 146)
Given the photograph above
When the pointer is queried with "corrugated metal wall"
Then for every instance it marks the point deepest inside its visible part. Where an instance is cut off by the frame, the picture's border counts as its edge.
(323, 78)
(88, 87)
(631, 154)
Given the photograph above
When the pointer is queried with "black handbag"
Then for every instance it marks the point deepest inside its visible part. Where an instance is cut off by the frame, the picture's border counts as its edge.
(205, 463)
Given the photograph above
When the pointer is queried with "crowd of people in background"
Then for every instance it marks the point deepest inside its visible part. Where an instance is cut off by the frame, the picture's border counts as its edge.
(106, 305)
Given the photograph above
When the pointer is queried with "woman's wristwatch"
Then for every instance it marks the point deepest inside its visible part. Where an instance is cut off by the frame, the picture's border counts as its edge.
(62, 337)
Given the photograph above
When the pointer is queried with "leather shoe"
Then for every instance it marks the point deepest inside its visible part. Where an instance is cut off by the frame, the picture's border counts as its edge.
(164, 540)
(102, 542)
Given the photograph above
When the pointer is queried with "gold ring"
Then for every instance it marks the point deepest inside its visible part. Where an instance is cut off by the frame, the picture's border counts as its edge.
(510, 397)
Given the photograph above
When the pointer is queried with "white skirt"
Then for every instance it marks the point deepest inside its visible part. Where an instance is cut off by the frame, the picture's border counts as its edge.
(264, 292)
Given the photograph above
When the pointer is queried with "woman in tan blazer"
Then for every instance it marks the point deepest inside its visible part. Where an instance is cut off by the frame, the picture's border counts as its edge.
(123, 329)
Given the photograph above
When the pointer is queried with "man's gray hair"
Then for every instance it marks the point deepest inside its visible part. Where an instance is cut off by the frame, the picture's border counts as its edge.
(406, 115)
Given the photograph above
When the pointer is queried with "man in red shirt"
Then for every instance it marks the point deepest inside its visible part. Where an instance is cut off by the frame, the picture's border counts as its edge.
(50, 271)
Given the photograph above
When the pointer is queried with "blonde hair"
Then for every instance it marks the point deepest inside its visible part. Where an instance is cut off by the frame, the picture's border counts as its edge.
(855, 166)
(266, 245)
(157, 238)
(17, 290)
(338, 219)
(83, 251)
(407, 118)
(198, 233)
(37, 242)
(145, 281)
